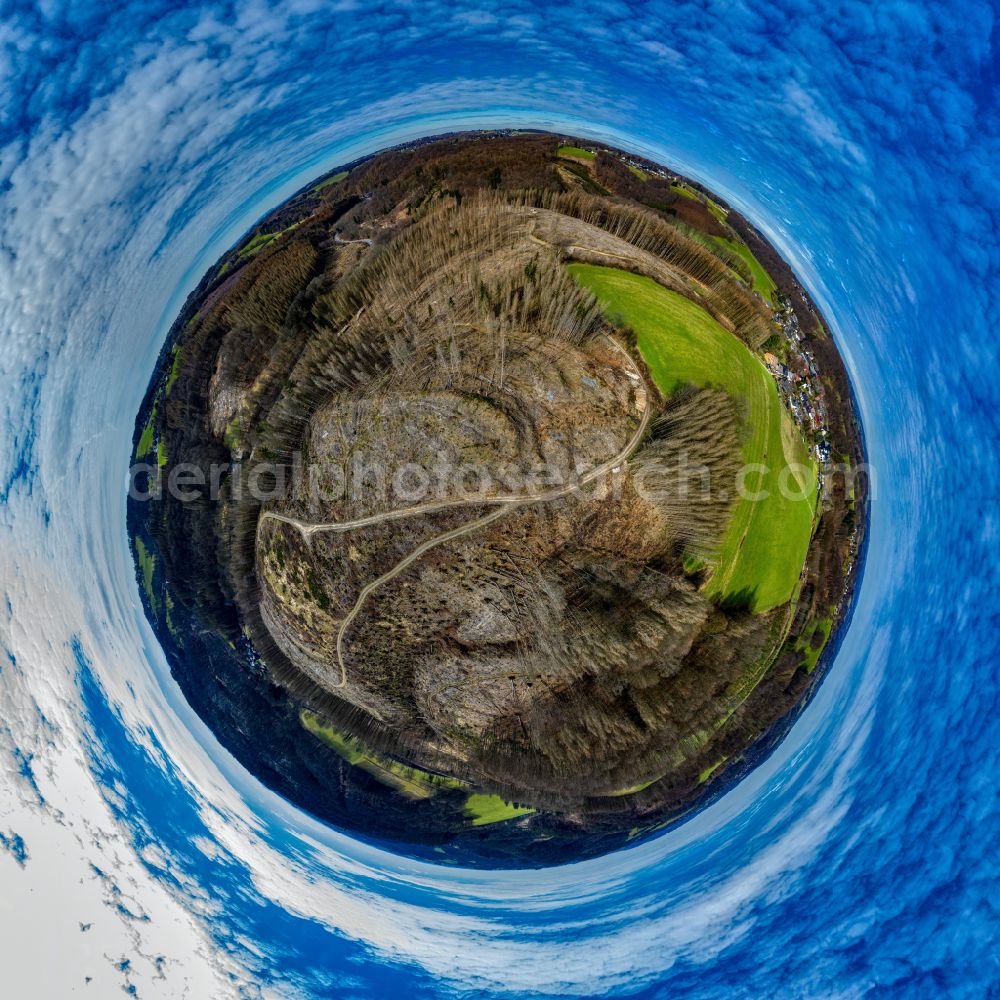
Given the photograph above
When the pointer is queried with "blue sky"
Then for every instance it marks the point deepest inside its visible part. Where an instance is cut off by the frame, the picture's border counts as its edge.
(137, 141)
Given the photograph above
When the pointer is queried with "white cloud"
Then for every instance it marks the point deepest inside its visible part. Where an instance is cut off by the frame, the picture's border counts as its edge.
(131, 159)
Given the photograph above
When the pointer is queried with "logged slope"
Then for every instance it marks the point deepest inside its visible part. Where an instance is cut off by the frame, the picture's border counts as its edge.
(456, 587)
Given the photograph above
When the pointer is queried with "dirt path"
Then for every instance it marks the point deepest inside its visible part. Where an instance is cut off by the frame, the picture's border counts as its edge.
(507, 504)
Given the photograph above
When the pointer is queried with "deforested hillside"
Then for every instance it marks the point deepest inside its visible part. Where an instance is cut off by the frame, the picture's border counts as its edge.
(482, 528)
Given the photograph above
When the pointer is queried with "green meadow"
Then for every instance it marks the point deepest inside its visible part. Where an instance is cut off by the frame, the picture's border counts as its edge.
(262, 240)
(145, 445)
(334, 179)
(486, 809)
(411, 782)
(147, 564)
(765, 544)
(575, 151)
(761, 280)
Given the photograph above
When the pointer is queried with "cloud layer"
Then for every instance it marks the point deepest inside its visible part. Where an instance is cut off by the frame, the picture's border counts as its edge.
(136, 142)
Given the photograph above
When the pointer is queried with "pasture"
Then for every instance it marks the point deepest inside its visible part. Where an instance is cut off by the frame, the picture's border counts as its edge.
(761, 556)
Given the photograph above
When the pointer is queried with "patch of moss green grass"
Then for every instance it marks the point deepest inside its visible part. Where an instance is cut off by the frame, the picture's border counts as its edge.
(761, 555)
(175, 370)
(761, 280)
(333, 179)
(145, 445)
(575, 152)
(147, 565)
(263, 240)
(409, 781)
(487, 809)
(813, 641)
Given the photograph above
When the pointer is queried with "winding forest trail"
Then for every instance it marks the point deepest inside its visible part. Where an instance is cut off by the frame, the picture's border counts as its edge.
(506, 505)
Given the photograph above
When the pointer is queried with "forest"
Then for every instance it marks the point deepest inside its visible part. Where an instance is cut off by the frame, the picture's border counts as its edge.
(599, 656)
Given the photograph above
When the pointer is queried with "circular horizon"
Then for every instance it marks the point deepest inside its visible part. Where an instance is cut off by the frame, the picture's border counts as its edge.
(799, 878)
(744, 567)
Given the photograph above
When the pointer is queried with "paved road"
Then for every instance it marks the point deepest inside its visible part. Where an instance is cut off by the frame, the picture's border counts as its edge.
(506, 505)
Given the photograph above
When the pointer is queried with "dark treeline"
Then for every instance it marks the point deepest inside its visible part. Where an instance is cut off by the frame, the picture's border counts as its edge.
(605, 638)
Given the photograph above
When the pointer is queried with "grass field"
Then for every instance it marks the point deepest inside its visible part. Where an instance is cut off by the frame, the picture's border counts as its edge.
(486, 809)
(580, 154)
(710, 770)
(262, 240)
(813, 641)
(632, 789)
(765, 545)
(147, 563)
(641, 174)
(409, 781)
(148, 436)
(334, 179)
(717, 210)
(762, 283)
(145, 445)
(175, 370)
(685, 192)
